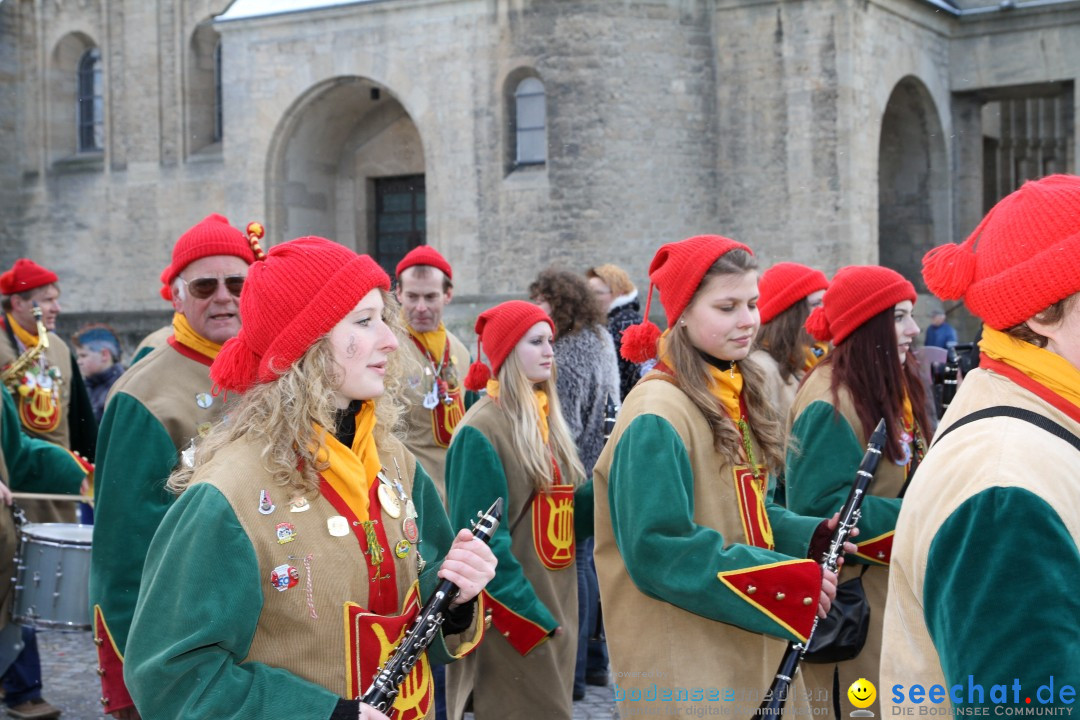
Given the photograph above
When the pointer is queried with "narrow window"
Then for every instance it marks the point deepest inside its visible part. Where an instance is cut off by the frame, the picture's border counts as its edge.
(399, 218)
(530, 115)
(91, 103)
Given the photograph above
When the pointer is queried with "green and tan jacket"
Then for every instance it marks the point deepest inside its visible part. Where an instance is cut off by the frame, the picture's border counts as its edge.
(523, 669)
(27, 464)
(76, 429)
(824, 452)
(254, 611)
(703, 578)
(155, 410)
(428, 444)
(983, 586)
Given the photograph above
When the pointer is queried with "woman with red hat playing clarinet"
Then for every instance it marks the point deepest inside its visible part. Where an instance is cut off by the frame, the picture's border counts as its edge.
(306, 536)
(703, 579)
(514, 444)
(870, 374)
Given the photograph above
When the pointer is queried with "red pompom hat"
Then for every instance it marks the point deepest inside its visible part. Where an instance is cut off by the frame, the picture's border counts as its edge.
(292, 298)
(785, 284)
(856, 294)
(25, 275)
(213, 235)
(676, 271)
(424, 255)
(498, 330)
(1022, 258)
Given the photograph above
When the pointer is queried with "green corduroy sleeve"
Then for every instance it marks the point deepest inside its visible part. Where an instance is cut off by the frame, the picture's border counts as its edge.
(474, 478)
(35, 465)
(1000, 598)
(195, 621)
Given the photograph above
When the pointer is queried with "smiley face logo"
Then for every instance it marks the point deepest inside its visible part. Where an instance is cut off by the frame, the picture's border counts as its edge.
(862, 693)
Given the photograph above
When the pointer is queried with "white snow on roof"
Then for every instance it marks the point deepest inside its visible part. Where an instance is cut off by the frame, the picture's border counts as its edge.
(244, 9)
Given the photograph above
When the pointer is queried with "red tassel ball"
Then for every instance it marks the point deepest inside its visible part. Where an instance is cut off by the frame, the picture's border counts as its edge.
(236, 367)
(478, 376)
(639, 342)
(818, 325)
(949, 270)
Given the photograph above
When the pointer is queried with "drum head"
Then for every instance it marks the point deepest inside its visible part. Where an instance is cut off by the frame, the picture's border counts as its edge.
(59, 532)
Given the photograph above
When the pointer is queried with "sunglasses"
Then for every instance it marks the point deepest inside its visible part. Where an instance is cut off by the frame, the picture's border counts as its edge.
(204, 287)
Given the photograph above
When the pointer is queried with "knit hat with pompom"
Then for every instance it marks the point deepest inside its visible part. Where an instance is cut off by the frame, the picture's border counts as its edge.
(856, 294)
(498, 330)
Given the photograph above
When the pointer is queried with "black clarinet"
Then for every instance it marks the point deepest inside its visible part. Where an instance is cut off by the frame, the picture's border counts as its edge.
(386, 685)
(777, 694)
(611, 414)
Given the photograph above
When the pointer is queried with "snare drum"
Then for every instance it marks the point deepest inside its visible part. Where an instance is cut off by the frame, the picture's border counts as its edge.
(52, 576)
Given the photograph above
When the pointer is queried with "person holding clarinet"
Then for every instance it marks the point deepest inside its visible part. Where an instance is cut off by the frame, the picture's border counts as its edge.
(306, 537)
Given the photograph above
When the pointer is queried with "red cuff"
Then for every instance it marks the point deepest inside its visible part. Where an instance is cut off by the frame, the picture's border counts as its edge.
(877, 550)
(787, 592)
(114, 693)
(522, 634)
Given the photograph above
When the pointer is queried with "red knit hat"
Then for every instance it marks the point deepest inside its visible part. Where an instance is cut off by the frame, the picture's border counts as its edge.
(424, 255)
(292, 298)
(676, 271)
(498, 330)
(211, 236)
(255, 233)
(1022, 258)
(25, 275)
(785, 284)
(856, 294)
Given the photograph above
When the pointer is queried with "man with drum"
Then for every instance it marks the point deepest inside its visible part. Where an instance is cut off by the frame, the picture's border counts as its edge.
(52, 404)
(153, 414)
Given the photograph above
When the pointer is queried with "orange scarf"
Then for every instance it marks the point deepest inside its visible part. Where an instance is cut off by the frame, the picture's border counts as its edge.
(187, 336)
(352, 470)
(726, 385)
(1048, 369)
(433, 341)
(542, 408)
(29, 340)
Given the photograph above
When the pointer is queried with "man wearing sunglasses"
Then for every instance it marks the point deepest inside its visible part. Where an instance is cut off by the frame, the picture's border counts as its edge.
(53, 405)
(153, 414)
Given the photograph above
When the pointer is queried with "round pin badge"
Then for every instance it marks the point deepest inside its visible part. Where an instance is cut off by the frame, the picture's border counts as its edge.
(410, 530)
(204, 400)
(402, 548)
(390, 504)
(337, 525)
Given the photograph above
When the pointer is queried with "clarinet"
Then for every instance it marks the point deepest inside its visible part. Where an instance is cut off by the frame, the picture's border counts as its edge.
(611, 414)
(777, 694)
(385, 687)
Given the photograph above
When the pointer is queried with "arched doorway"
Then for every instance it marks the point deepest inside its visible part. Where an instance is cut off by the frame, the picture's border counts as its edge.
(347, 163)
(913, 194)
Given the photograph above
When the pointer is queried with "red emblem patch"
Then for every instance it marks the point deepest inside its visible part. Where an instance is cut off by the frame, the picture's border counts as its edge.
(553, 526)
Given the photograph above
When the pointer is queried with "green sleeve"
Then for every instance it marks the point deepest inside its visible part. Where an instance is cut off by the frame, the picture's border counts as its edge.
(822, 459)
(35, 465)
(136, 456)
(195, 620)
(141, 354)
(436, 537)
(583, 511)
(667, 555)
(474, 478)
(791, 532)
(1000, 597)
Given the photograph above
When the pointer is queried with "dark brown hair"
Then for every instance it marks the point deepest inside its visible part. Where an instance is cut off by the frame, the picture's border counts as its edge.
(867, 363)
(573, 305)
(785, 337)
(1051, 316)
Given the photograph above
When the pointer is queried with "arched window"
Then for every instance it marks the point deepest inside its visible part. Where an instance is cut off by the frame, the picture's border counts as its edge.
(91, 103)
(530, 116)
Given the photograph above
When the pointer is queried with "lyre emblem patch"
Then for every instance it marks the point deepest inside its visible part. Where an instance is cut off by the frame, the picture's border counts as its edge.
(553, 526)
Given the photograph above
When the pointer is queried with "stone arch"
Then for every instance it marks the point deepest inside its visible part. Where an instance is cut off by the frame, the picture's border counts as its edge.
(61, 125)
(913, 181)
(332, 147)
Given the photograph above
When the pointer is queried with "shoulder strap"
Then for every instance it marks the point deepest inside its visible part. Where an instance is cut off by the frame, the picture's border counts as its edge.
(1020, 414)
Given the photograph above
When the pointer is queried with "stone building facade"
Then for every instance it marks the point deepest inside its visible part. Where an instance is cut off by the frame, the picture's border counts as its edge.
(515, 134)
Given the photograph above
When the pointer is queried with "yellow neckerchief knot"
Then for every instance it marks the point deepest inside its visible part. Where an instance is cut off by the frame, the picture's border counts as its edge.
(434, 341)
(542, 407)
(813, 354)
(1044, 367)
(352, 470)
(28, 339)
(187, 337)
(907, 415)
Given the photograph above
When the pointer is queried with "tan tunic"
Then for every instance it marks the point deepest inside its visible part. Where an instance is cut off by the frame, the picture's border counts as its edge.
(57, 355)
(419, 436)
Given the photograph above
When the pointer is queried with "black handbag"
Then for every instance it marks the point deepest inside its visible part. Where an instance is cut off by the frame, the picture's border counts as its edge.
(841, 634)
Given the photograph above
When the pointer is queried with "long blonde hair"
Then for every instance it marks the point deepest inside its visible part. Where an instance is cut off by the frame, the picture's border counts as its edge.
(280, 415)
(692, 376)
(516, 399)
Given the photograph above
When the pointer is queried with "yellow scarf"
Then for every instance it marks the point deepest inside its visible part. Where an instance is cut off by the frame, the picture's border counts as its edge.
(433, 341)
(186, 336)
(352, 470)
(811, 358)
(28, 339)
(1044, 367)
(726, 385)
(542, 408)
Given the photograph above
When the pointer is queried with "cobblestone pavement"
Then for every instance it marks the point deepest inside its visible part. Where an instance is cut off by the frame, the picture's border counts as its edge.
(70, 682)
